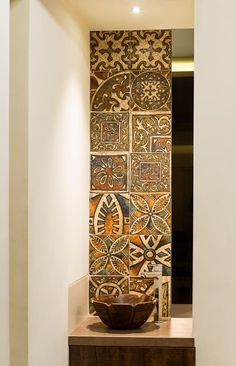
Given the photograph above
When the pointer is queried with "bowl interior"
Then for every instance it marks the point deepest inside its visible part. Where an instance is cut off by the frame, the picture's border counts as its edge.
(124, 299)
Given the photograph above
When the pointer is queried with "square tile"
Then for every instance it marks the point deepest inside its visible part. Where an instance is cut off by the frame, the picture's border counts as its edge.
(166, 296)
(107, 285)
(110, 91)
(150, 172)
(150, 214)
(109, 214)
(140, 286)
(150, 91)
(109, 172)
(147, 129)
(109, 131)
(109, 50)
(149, 249)
(151, 49)
(109, 255)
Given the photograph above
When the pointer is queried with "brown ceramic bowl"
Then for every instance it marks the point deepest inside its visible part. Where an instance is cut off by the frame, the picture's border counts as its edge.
(124, 311)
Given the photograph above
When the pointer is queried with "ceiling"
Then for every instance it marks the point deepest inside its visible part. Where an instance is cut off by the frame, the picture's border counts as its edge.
(117, 15)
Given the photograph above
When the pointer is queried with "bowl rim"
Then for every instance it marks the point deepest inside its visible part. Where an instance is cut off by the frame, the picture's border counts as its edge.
(152, 300)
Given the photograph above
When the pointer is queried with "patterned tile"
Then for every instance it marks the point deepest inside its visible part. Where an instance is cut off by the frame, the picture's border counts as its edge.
(151, 91)
(151, 49)
(145, 249)
(109, 50)
(141, 286)
(109, 255)
(110, 92)
(147, 129)
(166, 296)
(107, 285)
(150, 214)
(109, 172)
(109, 131)
(150, 172)
(109, 214)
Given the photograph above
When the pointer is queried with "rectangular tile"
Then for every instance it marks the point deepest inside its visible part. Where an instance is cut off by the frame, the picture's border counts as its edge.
(109, 255)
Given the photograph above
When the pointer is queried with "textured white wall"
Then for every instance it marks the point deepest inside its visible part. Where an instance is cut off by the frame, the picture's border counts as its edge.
(4, 190)
(215, 183)
(58, 173)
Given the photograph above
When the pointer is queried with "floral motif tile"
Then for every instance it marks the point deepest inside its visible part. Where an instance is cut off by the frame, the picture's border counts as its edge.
(149, 249)
(151, 49)
(107, 285)
(109, 172)
(109, 50)
(166, 296)
(140, 285)
(110, 91)
(109, 131)
(147, 129)
(109, 214)
(109, 255)
(150, 91)
(150, 214)
(150, 172)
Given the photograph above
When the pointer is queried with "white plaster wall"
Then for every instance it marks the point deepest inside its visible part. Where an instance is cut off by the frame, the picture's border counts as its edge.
(215, 183)
(4, 190)
(58, 173)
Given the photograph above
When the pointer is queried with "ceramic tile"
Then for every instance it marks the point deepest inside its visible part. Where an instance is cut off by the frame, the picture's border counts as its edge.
(109, 131)
(149, 249)
(107, 285)
(109, 172)
(141, 286)
(150, 91)
(151, 49)
(150, 214)
(109, 214)
(150, 172)
(109, 255)
(110, 91)
(147, 129)
(166, 296)
(109, 50)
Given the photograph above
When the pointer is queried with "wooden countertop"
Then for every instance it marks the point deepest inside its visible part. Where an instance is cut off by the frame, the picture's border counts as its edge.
(175, 332)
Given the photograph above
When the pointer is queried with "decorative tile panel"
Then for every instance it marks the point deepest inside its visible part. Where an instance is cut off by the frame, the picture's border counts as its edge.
(146, 249)
(110, 92)
(151, 91)
(150, 172)
(109, 131)
(150, 214)
(147, 129)
(130, 198)
(109, 214)
(107, 285)
(109, 255)
(151, 50)
(109, 50)
(109, 172)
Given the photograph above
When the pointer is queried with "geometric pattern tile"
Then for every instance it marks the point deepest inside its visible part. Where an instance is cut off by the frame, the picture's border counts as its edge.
(150, 214)
(107, 285)
(151, 49)
(109, 50)
(109, 173)
(166, 296)
(109, 255)
(149, 249)
(109, 214)
(146, 129)
(109, 131)
(150, 172)
(151, 91)
(110, 92)
(141, 286)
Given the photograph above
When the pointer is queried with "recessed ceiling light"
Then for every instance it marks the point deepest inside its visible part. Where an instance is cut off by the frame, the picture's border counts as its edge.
(136, 10)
